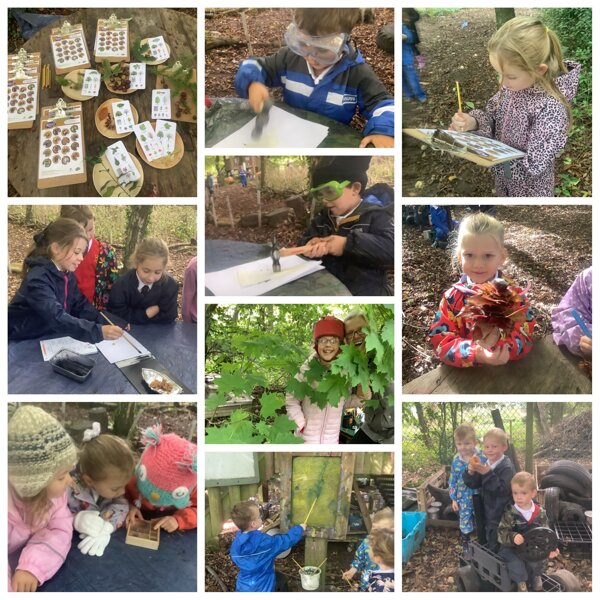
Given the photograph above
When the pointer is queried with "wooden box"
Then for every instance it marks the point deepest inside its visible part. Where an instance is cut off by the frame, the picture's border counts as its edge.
(140, 533)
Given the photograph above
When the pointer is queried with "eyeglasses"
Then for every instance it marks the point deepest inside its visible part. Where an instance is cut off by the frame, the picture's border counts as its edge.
(325, 49)
(328, 340)
(330, 191)
(356, 335)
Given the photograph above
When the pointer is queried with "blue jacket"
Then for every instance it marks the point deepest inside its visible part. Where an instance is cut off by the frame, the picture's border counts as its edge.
(40, 309)
(254, 553)
(440, 221)
(350, 84)
(408, 51)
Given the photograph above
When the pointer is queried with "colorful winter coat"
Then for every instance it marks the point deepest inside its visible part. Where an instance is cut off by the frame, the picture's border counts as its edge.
(350, 84)
(459, 492)
(80, 497)
(44, 547)
(97, 272)
(579, 297)
(534, 122)
(513, 522)
(363, 564)
(451, 335)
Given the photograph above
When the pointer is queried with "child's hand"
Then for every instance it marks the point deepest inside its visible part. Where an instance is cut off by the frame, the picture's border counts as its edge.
(258, 94)
(585, 345)
(361, 394)
(486, 335)
(304, 526)
(89, 522)
(518, 539)
(463, 122)
(134, 514)
(378, 140)
(317, 247)
(152, 311)
(349, 574)
(24, 581)
(111, 332)
(494, 358)
(169, 524)
(336, 244)
(554, 553)
(455, 506)
(482, 469)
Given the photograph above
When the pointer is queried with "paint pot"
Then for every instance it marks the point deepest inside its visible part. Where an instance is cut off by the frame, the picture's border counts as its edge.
(277, 531)
(588, 517)
(436, 504)
(309, 578)
(433, 513)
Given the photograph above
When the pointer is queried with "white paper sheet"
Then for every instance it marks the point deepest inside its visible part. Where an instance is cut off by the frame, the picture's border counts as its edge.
(283, 130)
(117, 350)
(51, 347)
(257, 277)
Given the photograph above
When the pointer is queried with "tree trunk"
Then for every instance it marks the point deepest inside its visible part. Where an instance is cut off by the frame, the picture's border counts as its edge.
(542, 418)
(138, 217)
(123, 418)
(557, 411)
(263, 176)
(29, 215)
(504, 15)
(423, 424)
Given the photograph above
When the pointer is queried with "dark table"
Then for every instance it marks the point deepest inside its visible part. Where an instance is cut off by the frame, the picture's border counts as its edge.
(227, 115)
(173, 345)
(180, 33)
(125, 568)
(223, 254)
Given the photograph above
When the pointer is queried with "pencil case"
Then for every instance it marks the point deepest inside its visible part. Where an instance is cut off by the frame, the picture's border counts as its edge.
(72, 365)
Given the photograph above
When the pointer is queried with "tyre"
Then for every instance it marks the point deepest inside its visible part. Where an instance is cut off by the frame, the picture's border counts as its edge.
(467, 579)
(565, 482)
(385, 38)
(570, 512)
(440, 494)
(586, 503)
(574, 470)
(551, 503)
(449, 514)
(567, 580)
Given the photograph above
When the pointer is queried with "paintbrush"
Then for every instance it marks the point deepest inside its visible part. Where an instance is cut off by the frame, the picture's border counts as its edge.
(126, 338)
(311, 509)
(297, 563)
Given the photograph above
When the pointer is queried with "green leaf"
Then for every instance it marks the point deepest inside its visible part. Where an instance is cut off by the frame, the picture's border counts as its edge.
(334, 387)
(387, 333)
(270, 404)
(470, 105)
(108, 192)
(282, 431)
(372, 342)
(212, 403)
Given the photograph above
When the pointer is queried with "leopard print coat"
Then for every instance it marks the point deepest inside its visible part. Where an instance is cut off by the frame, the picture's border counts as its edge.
(534, 122)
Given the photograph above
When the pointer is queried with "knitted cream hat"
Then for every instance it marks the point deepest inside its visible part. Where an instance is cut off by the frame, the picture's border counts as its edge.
(38, 448)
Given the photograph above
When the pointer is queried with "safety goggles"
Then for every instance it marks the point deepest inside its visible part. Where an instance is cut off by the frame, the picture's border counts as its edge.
(330, 191)
(325, 49)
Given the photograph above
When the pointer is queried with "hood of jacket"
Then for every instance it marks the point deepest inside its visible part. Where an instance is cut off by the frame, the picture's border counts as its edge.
(568, 82)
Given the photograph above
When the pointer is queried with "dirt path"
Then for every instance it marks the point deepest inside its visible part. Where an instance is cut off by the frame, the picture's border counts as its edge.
(454, 46)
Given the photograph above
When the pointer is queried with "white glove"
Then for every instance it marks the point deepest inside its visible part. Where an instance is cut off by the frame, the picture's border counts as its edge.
(95, 545)
(89, 522)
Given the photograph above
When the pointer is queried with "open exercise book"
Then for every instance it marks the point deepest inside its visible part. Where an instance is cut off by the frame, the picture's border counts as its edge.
(125, 348)
(483, 151)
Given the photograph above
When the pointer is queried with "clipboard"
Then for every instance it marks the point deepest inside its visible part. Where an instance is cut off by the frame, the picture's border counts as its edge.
(104, 26)
(76, 34)
(33, 71)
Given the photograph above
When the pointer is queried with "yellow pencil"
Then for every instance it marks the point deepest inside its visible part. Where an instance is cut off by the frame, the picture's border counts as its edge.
(458, 94)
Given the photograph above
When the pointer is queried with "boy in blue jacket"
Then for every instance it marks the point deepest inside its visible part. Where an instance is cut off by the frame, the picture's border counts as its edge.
(254, 552)
(321, 70)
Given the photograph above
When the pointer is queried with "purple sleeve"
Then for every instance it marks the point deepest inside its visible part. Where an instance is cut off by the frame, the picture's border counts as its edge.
(566, 330)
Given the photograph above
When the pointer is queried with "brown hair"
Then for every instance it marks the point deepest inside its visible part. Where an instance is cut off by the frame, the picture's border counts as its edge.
(63, 232)
(243, 513)
(78, 212)
(326, 21)
(102, 453)
(466, 431)
(526, 43)
(150, 248)
(381, 542)
(524, 479)
(384, 515)
(498, 434)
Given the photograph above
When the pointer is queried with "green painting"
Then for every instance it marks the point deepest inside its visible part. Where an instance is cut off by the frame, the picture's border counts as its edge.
(315, 477)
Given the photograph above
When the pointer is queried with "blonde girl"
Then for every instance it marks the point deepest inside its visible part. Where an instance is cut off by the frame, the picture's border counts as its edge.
(40, 456)
(531, 110)
(146, 293)
(480, 253)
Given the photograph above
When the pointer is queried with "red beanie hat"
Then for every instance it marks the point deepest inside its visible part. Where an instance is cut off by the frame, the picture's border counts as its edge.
(329, 326)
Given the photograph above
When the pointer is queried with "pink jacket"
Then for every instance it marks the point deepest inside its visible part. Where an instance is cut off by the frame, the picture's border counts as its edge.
(317, 425)
(45, 549)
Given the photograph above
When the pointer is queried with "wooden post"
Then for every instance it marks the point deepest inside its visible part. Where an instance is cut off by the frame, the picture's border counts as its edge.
(259, 208)
(362, 507)
(312, 208)
(315, 552)
(211, 201)
(529, 438)
(235, 494)
(216, 510)
(230, 212)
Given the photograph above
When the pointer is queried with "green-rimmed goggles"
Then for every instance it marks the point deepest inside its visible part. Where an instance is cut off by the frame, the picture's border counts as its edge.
(330, 191)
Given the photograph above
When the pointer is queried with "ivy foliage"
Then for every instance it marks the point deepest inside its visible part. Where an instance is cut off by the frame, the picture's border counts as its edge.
(257, 351)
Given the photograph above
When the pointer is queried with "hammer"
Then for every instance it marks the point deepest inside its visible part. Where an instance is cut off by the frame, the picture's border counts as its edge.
(275, 254)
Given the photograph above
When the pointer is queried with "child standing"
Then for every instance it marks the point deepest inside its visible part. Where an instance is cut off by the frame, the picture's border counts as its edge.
(465, 439)
(49, 302)
(411, 86)
(146, 293)
(353, 234)
(363, 563)
(458, 341)
(494, 480)
(40, 456)
(165, 484)
(321, 70)
(254, 552)
(567, 331)
(531, 111)
(314, 424)
(97, 494)
(517, 520)
(381, 552)
(98, 270)
(189, 301)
